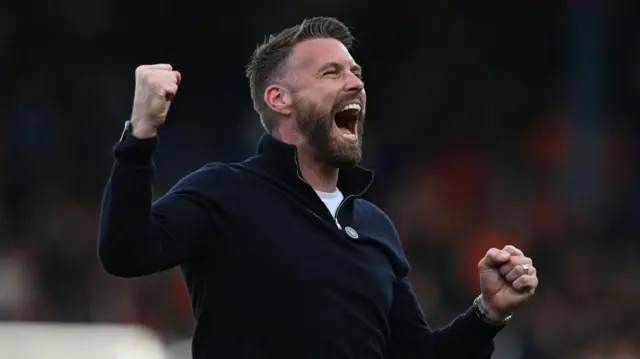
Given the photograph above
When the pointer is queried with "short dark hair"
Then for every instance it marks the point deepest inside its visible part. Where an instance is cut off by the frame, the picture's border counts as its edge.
(269, 58)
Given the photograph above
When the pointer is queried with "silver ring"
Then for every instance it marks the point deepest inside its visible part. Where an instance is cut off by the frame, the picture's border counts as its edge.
(525, 269)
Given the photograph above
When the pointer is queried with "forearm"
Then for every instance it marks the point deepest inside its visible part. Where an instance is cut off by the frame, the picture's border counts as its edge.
(468, 336)
(131, 242)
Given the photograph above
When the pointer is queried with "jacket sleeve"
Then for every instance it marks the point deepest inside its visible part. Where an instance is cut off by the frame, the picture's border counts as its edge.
(466, 337)
(137, 237)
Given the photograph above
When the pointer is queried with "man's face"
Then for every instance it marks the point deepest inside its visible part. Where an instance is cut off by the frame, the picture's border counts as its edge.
(329, 100)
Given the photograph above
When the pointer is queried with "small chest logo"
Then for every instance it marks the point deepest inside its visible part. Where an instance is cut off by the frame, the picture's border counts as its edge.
(351, 232)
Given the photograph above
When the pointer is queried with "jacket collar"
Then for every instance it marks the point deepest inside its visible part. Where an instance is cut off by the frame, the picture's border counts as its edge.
(283, 163)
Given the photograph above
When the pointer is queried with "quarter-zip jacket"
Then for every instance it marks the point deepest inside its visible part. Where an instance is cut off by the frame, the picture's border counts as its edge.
(269, 273)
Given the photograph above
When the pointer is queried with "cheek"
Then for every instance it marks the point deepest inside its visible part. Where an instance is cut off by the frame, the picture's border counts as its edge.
(325, 97)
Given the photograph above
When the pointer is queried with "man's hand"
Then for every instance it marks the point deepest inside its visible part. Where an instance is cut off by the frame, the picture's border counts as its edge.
(507, 279)
(156, 86)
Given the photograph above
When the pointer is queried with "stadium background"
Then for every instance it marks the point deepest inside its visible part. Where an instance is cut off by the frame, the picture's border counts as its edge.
(490, 122)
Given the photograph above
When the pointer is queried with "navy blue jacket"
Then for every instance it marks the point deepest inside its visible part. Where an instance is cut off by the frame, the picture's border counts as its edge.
(269, 273)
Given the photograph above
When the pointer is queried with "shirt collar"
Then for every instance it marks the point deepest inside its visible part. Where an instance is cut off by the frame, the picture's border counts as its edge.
(354, 180)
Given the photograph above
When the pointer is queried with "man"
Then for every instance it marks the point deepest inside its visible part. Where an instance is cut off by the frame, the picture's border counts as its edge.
(281, 255)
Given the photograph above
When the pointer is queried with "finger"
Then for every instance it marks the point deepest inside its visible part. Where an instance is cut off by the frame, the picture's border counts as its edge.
(518, 271)
(178, 77)
(526, 283)
(170, 92)
(513, 262)
(507, 267)
(148, 70)
(161, 67)
(164, 82)
(493, 259)
(512, 250)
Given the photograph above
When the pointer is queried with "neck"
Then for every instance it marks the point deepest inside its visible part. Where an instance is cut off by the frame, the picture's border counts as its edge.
(317, 173)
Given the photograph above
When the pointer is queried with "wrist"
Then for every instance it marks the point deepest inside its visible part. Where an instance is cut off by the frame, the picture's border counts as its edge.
(490, 313)
(142, 130)
(133, 150)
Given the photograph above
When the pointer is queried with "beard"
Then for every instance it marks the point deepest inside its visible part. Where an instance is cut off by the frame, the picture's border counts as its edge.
(317, 127)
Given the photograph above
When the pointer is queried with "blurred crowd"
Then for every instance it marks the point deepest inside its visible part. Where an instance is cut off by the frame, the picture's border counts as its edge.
(489, 123)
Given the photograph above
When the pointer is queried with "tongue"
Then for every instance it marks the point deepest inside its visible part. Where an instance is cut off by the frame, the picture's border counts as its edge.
(344, 130)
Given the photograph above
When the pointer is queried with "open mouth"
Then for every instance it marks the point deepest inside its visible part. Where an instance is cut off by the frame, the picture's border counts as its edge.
(346, 119)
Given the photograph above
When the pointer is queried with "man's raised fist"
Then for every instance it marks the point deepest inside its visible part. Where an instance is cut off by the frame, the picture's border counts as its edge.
(156, 86)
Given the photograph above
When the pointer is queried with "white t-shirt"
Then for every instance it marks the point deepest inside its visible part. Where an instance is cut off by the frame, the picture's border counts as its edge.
(332, 200)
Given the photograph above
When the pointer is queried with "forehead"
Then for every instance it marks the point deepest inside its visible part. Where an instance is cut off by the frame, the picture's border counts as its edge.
(315, 53)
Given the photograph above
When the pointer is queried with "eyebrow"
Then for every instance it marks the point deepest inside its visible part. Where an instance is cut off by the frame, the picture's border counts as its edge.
(354, 68)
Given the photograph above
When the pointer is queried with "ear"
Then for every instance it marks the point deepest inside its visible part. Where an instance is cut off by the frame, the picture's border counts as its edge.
(279, 99)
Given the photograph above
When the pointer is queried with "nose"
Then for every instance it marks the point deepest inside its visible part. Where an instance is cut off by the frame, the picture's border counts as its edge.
(354, 84)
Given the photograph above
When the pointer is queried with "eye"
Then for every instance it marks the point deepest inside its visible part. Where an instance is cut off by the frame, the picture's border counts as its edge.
(332, 73)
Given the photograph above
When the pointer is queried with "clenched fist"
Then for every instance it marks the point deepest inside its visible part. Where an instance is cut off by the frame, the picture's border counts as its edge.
(507, 279)
(156, 86)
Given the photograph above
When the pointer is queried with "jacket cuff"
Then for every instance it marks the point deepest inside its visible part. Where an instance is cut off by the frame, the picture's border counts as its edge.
(482, 331)
(133, 151)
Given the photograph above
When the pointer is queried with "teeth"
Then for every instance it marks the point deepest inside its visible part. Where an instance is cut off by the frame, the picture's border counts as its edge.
(351, 106)
(350, 136)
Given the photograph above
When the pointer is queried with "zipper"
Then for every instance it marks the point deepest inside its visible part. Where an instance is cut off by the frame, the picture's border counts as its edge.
(344, 200)
(295, 159)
